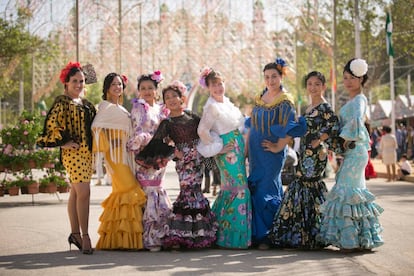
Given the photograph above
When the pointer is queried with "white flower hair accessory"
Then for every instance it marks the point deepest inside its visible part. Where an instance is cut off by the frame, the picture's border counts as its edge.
(358, 67)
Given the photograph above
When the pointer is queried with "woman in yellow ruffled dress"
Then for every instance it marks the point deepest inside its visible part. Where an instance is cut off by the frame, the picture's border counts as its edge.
(121, 220)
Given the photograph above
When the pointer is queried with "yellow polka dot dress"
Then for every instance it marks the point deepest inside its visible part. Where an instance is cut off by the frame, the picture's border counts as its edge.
(71, 121)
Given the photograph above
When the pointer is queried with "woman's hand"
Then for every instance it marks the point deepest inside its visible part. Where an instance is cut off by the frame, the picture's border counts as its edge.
(178, 154)
(227, 148)
(272, 147)
(71, 145)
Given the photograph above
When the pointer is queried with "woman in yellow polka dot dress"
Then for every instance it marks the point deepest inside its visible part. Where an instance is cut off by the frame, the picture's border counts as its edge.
(68, 126)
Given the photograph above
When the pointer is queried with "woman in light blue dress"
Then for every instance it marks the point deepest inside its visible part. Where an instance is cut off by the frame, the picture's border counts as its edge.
(224, 121)
(350, 215)
(272, 126)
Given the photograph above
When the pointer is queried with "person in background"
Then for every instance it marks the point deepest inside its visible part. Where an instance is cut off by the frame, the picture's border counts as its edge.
(349, 213)
(146, 115)
(272, 126)
(232, 206)
(121, 220)
(404, 167)
(369, 168)
(296, 225)
(388, 152)
(68, 126)
(210, 167)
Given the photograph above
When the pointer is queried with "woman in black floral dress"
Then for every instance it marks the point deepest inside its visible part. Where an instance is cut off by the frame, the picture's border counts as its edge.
(297, 222)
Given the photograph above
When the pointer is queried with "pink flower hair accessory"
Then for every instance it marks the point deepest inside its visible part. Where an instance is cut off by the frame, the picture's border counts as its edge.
(125, 79)
(203, 75)
(157, 76)
(181, 86)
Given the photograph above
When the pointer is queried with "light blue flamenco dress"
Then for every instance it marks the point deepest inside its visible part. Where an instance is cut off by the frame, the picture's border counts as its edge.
(350, 215)
(269, 122)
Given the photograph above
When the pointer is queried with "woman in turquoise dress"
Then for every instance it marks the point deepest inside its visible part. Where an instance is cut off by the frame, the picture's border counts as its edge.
(296, 225)
(272, 126)
(350, 215)
(221, 124)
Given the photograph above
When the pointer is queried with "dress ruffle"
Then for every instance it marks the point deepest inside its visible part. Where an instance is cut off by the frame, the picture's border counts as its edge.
(157, 211)
(297, 223)
(192, 224)
(121, 224)
(350, 219)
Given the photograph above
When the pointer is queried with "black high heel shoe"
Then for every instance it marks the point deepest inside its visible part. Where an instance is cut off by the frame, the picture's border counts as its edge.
(87, 240)
(73, 240)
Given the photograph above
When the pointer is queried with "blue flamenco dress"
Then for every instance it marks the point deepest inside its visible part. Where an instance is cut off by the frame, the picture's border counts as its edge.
(350, 215)
(269, 121)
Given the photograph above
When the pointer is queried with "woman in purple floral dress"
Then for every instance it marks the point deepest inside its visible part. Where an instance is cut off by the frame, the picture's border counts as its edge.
(146, 115)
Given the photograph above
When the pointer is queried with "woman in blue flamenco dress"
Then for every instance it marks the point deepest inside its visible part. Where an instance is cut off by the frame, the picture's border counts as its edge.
(350, 215)
(232, 206)
(272, 126)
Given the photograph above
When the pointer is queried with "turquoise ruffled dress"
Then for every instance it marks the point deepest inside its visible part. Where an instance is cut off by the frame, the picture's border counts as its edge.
(350, 215)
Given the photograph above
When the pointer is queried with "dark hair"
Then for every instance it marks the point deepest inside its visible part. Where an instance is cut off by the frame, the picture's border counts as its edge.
(386, 129)
(404, 155)
(212, 76)
(173, 88)
(108, 81)
(347, 68)
(272, 65)
(316, 74)
(146, 77)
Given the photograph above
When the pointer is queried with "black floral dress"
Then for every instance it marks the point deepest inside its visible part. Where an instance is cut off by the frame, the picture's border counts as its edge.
(192, 224)
(297, 222)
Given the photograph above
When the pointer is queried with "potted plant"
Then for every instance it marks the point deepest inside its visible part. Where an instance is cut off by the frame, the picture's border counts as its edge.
(26, 183)
(10, 187)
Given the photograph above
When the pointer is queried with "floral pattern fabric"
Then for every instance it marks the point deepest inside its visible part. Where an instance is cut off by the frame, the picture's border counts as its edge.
(191, 224)
(350, 215)
(145, 121)
(233, 204)
(297, 223)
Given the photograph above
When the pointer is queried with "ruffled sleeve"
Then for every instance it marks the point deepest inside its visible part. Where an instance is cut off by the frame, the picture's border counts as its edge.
(55, 133)
(210, 143)
(139, 137)
(293, 127)
(354, 128)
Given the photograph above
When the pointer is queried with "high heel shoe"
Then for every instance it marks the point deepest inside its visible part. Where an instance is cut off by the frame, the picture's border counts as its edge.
(86, 245)
(73, 240)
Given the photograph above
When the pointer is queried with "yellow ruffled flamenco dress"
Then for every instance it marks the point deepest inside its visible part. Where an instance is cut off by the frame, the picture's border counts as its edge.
(121, 220)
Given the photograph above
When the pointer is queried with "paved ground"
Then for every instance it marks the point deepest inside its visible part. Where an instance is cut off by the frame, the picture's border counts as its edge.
(33, 241)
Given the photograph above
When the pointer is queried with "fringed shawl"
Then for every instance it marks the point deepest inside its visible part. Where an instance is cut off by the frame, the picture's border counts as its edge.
(113, 124)
(284, 103)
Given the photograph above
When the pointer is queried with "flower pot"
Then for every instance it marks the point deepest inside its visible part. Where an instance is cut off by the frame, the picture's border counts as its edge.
(32, 164)
(51, 188)
(2, 168)
(1, 191)
(63, 189)
(32, 188)
(13, 191)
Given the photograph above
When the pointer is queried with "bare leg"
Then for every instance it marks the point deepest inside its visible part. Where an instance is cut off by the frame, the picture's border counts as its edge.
(73, 214)
(393, 172)
(388, 173)
(82, 207)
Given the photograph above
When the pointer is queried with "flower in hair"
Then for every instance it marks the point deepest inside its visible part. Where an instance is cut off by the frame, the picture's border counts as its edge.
(358, 67)
(157, 76)
(203, 75)
(181, 86)
(281, 65)
(65, 71)
(125, 79)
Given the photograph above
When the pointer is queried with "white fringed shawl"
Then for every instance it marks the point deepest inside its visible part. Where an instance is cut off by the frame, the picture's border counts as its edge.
(115, 121)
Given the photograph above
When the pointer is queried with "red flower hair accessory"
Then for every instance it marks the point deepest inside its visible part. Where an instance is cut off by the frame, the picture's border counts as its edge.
(125, 79)
(65, 71)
